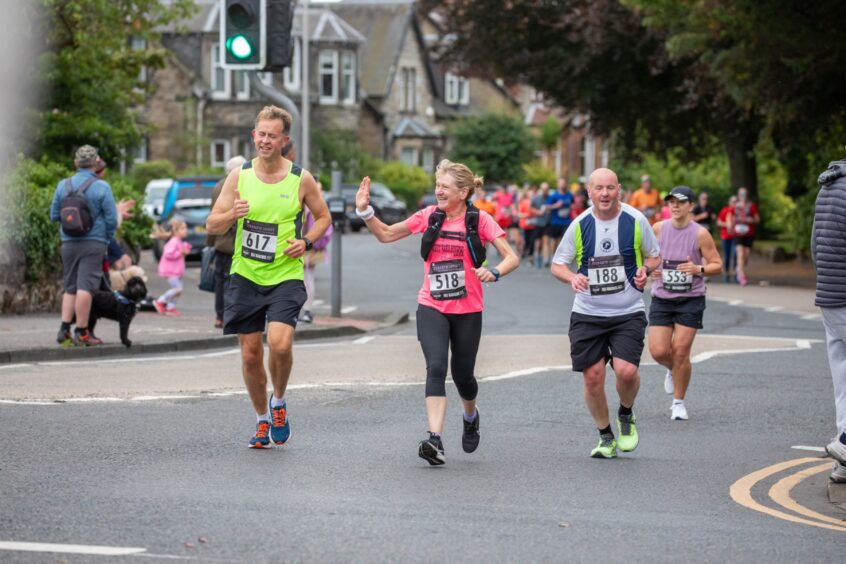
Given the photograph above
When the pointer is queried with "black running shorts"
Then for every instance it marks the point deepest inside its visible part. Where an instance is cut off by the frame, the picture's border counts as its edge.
(247, 305)
(593, 338)
(678, 311)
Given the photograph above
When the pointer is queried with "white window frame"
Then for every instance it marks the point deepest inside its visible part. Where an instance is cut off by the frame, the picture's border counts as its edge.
(348, 72)
(408, 92)
(428, 163)
(456, 90)
(414, 156)
(141, 153)
(218, 91)
(139, 44)
(213, 152)
(242, 93)
(292, 75)
(329, 56)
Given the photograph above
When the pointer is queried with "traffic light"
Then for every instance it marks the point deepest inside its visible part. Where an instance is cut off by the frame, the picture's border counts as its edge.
(243, 34)
(280, 42)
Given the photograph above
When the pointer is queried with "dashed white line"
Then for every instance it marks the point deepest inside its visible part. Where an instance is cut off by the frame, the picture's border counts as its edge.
(363, 340)
(773, 309)
(810, 448)
(348, 309)
(69, 548)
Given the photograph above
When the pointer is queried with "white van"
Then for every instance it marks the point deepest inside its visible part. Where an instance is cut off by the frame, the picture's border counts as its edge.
(154, 197)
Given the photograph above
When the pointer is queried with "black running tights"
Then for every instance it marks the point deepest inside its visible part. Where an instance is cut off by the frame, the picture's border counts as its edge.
(438, 331)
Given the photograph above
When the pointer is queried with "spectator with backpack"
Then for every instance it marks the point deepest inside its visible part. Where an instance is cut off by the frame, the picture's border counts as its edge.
(85, 208)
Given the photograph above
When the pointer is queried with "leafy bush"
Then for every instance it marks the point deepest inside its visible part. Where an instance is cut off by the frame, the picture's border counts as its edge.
(409, 183)
(500, 144)
(142, 173)
(537, 173)
(341, 148)
(136, 230)
(29, 189)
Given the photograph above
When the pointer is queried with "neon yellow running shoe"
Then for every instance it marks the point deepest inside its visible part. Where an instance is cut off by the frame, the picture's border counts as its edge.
(607, 447)
(628, 432)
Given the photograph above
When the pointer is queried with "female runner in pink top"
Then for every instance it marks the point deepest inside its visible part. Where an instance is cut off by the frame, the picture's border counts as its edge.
(449, 312)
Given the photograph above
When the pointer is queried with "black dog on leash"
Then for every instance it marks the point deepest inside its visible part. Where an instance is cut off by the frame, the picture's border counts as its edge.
(118, 306)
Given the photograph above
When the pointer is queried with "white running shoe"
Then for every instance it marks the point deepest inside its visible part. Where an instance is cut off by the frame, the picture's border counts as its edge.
(679, 412)
(837, 450)
(838, 474)
(669, 387)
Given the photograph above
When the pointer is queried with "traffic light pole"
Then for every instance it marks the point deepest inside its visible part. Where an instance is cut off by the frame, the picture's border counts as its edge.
(278, 98)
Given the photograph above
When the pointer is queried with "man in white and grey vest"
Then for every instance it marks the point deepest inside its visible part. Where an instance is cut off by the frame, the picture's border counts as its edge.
(828, 248)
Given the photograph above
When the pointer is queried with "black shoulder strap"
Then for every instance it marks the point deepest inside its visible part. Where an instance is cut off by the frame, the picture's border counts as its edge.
(436, 221)
(478, 253)
(296, 169)
(83, 187)
(247, 165)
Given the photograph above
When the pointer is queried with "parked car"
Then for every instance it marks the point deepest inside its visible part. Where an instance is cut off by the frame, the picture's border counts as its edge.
(154, 197)
(190, 200)
(427, 200)
(388, 207)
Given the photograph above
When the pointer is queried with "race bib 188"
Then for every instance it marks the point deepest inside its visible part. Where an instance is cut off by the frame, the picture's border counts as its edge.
(258, 240)
(606, 275)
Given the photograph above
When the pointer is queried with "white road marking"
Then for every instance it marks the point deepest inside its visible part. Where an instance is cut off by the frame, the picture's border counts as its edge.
(69, 548)
(363, 340)
(812, 316)
(318, 302)
(810, 448)
(348, 309)
(773, 309)
(735, 302)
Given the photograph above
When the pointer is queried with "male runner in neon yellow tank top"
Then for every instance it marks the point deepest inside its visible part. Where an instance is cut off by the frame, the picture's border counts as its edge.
(265, 197)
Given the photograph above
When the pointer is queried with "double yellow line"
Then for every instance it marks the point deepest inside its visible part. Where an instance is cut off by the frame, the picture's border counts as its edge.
(741, 493)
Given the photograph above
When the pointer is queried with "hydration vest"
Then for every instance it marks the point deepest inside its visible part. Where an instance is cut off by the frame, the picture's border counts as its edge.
(478, 253)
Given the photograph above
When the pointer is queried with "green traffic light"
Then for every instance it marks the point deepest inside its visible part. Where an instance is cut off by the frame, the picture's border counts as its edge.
(239, 46)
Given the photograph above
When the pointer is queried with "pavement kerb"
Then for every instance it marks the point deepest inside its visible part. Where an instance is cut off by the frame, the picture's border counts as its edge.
(46, 354)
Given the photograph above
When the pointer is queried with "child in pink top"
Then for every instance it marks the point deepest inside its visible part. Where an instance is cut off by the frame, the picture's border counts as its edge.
(172, 267)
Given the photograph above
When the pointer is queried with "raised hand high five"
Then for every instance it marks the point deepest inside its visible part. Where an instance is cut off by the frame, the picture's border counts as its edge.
(362, 197)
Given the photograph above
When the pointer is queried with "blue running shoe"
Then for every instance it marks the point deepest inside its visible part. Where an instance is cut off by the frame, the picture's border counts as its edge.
(260, 440)
(280, 427)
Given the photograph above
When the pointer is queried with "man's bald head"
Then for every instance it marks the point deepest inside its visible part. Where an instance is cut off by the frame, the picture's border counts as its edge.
(602, 177)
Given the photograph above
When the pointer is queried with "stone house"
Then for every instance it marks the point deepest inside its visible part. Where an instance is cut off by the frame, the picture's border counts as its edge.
(372, 73)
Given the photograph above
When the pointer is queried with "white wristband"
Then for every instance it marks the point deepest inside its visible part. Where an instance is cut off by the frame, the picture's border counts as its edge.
(366, 214)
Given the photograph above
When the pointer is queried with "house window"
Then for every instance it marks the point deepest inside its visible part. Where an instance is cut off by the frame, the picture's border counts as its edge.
(139, 44)
(242, 85)
(219, 78)
(348, 77)
(328, 63)
(428, 159)
(291, 74)
(457, 90)
(219, 152)
(408, 77)
(409, 155)
(139, 153)
(243, 88)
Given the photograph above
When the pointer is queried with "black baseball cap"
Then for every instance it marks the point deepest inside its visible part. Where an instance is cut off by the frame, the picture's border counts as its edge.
(681, 193)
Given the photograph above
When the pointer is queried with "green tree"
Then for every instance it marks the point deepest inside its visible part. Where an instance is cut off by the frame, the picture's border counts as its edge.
(497, 146)
(694, 75)
(408, 182)
(341, 148)
(90, 73)
(550, 133)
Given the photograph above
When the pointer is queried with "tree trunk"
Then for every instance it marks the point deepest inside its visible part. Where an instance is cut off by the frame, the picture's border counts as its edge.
(740, 148)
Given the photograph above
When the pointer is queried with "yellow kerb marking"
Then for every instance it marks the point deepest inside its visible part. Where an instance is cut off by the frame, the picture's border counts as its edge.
(741, 493)
(780, 493)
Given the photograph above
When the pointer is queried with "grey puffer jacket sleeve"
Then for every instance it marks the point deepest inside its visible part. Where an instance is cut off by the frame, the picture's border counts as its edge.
(828, 237)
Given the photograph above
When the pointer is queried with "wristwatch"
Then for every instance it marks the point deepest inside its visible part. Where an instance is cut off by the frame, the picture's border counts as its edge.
(309, 244)
(496, 273)
(701, 269)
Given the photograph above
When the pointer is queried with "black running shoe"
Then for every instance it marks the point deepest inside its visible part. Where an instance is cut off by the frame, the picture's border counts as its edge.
(64, 337)
(470, 438)
(432, 450)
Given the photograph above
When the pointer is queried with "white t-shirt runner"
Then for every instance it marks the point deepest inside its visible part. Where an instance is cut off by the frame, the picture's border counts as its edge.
(609, 292)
